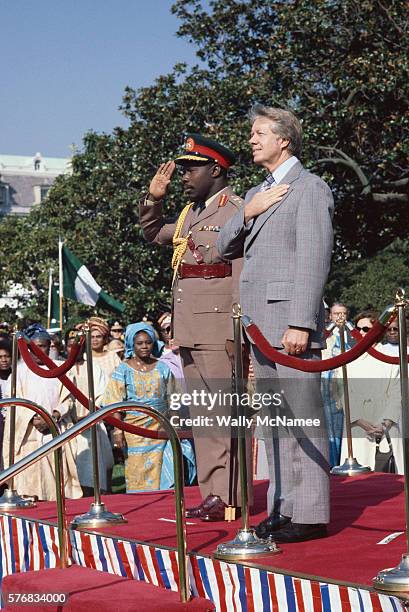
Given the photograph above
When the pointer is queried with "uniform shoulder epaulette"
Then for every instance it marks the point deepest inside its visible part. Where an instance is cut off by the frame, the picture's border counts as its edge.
(236, 200)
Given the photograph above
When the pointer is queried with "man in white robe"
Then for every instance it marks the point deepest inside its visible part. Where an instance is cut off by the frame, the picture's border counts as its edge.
(81, 445)
(31, 431)
(374, 389)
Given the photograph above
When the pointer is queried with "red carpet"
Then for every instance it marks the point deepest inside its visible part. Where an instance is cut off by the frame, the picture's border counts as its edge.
(365, 509)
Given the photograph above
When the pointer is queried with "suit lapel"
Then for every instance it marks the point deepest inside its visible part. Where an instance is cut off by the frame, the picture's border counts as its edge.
(292, 175)
(261, 219)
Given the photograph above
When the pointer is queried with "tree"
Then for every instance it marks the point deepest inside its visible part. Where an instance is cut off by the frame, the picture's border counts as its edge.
(94, 211)
(342, 66)
(371, 282)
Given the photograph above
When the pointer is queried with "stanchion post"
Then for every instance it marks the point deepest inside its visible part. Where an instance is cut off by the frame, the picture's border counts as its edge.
(91, 404)
(396, 579)
(347, 408)
(350, 467)
(98, 515)
(246, 544)
(10, 498)
(241, 442)
(403, 368)
(13, 391)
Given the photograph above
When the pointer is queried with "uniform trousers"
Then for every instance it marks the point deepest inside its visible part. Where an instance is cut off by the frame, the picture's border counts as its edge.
(297, 455)
(210, 370)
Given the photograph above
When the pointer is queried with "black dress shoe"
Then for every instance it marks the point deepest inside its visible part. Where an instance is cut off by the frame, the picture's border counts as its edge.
(270, 525)
(206, 504)
(300, 532)
(216, 512)
(194, 512)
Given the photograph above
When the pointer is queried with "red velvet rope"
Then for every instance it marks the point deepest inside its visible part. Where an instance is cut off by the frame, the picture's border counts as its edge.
(55, 371)
(309, 365)
(374, 352)
(133, 429)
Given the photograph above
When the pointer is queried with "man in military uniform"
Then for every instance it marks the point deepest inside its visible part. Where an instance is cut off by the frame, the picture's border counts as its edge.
(204, 288)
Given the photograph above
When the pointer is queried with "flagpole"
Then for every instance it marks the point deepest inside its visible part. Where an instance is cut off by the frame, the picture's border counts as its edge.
(50, 292)
(60, 278)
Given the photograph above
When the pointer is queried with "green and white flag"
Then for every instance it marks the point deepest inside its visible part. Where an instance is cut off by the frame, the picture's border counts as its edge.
(81, 286)
(53, 313)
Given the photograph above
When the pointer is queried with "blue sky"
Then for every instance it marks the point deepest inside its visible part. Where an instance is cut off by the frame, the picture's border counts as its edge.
(65, 66)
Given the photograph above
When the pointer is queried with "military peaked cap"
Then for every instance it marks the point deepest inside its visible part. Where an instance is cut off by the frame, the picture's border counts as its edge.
(201, 149)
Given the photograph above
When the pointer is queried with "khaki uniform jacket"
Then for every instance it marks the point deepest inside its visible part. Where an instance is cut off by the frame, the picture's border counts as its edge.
(202, 308)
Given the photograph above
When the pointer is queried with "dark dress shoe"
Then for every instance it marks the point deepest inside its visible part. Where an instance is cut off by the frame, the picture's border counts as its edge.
(196, 512)
(215, 512)
(193, 512)
(300, 532)
(270, 525)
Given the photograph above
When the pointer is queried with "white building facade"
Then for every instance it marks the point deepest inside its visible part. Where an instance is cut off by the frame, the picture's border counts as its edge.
(25, 181)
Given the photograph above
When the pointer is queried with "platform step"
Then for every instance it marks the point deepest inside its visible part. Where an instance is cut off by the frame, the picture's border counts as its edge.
(87, 589)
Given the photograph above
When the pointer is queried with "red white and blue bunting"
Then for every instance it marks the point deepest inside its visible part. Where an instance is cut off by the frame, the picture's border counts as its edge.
(29, 545)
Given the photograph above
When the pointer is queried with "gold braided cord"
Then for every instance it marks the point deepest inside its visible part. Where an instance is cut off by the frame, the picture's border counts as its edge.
(179, 243)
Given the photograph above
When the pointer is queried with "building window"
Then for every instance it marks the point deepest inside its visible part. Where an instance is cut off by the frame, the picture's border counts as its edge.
(37, 164)
(44, 189)
(40, 193)
(3, 195)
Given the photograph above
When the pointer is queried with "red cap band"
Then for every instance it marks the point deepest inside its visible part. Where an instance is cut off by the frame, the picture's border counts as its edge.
(211, 153)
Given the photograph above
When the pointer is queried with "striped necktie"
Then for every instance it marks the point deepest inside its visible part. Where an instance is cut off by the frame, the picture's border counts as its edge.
(268, 183)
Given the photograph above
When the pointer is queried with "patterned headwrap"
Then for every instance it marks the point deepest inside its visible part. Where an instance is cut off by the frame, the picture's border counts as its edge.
(166, 316)
(36, 332)
(100, 324)
(136, 328)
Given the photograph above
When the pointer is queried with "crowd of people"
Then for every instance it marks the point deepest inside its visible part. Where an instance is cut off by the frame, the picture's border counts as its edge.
(374, 392)
(136, 363)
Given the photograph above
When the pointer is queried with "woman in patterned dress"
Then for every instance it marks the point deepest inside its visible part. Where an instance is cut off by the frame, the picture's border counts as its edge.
(145, 380)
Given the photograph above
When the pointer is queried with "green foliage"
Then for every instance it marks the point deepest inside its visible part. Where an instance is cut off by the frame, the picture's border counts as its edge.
(371, 282)
(341, 65)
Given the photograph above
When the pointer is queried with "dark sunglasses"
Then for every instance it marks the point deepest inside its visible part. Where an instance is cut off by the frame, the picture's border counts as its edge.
(118, 329)
(365, 328)
(392, 329)
(166, 329)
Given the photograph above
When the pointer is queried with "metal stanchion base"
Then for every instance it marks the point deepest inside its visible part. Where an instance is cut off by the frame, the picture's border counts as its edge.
(10, 500)
(394, 579)
(350, 467)
(244, 546)
(97, 516)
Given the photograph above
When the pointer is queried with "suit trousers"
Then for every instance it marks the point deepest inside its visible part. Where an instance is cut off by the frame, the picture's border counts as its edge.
(211, 371)
(297, 455)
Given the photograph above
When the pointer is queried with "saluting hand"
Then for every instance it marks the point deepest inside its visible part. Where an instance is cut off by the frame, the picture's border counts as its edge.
(263, 200)
(159, 183)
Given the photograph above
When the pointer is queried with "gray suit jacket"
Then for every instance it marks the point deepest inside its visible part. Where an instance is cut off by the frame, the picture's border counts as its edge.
(287, 256)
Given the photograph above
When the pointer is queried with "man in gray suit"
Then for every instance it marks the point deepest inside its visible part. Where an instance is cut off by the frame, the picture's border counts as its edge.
(287, 251)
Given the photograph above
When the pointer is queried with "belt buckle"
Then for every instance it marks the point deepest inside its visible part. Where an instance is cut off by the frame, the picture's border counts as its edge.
(207, 276)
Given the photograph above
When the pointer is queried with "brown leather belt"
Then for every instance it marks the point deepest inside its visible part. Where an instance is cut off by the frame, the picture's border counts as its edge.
(220, 270)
